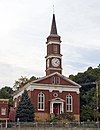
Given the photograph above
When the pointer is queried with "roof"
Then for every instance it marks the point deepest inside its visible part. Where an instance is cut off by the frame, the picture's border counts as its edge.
(53, 26)
(60, 75)
(42, 84)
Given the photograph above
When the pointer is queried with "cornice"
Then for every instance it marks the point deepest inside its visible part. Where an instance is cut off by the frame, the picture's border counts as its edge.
(49, 87)
(53, 69)
(54, 56)
(53, 42)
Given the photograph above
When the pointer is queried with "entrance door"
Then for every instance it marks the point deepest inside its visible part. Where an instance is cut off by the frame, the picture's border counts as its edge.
(56, 108)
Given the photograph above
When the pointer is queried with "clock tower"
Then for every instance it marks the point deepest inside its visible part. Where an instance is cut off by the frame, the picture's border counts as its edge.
(53, 57)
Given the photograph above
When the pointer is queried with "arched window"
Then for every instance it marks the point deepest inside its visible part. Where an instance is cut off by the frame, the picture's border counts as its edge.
(53, 80)
(41, 99)
(69, 103)
(58, 80)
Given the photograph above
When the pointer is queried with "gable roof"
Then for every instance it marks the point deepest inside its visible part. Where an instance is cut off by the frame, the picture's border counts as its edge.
(67, 81)
(41, 82)
(57, 99)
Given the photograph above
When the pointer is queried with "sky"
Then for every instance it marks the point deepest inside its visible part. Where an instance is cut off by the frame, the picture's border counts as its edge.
(25, 25)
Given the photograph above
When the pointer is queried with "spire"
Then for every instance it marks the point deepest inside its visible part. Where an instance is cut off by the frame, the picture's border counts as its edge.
(53, 26)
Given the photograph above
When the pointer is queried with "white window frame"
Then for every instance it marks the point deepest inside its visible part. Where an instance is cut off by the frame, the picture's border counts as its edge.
(3, 111)
(41, 101)
(69, 103)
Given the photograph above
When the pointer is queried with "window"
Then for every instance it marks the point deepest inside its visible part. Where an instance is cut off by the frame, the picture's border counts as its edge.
(55, 48)
(58, 80)
(3, 111)
(49, 49)
(69, 103)
(55, 94)
(53, 80)
(41, 101)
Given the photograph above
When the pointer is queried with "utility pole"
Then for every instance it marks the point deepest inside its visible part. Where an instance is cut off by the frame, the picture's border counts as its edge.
(97, 103)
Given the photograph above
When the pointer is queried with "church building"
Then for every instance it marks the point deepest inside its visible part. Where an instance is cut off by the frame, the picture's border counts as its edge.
(54, 93)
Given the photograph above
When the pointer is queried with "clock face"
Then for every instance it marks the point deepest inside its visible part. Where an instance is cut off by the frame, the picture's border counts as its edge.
(47, 63)
(55, 62)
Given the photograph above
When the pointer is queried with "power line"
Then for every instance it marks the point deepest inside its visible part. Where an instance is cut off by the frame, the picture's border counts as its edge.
(89, 83)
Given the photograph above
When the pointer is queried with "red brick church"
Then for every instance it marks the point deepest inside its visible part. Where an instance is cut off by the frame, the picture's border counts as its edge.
(53, 93)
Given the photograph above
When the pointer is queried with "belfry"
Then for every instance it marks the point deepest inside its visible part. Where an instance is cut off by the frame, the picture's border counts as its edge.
(53, 58)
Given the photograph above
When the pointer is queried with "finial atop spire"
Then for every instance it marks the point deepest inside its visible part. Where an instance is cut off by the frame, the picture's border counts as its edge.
(53, 9)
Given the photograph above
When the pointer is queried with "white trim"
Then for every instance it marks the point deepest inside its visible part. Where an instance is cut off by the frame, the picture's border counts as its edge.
(43, 96)
(31, 86)
(53, 69)
(49, 87)
(53, 42)
(50, 90)
(21, 89)
(68, 104)
(60, 75)
(4, 99)
(18, 94)
(3, 111)
(59, 56)
(57, 100)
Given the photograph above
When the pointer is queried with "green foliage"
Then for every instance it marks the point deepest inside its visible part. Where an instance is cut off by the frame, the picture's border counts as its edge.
(54, 119)
(22, 81)
(64, 117)
(25, 110)
(87, 113)
(6, 93)
(88, 92)
(68, 116)
(32, 78)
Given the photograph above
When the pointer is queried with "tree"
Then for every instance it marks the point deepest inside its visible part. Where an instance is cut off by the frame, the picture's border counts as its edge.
(25, 110)
(6, 93)
(22, 81)
(87, 114)
(32, 78)
(88, 92)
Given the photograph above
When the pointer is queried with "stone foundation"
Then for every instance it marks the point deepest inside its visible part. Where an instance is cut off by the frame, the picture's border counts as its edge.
(39, 116)
(77, 117)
